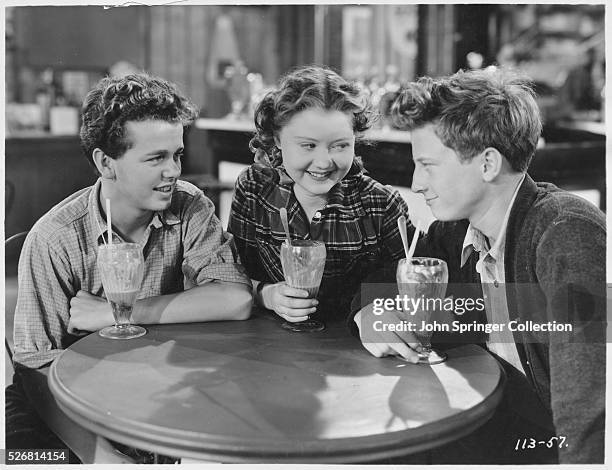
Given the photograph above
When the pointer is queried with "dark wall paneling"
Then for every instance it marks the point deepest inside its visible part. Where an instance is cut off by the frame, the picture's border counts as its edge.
(80, 38)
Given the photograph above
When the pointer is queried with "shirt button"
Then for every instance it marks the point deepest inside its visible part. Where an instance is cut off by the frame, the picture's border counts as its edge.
(317, 215)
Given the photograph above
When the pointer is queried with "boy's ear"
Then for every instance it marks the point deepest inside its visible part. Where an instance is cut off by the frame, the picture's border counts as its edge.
(491, 164)
(104, 164)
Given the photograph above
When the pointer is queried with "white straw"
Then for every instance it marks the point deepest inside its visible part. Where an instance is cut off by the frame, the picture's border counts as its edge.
(401, 224)
(285, 221)
(109, 225)
(414, 240)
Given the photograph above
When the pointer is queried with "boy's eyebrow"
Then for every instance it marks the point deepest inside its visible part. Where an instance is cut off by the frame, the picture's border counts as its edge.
(156, 152)
(423, 160)
(347, 137)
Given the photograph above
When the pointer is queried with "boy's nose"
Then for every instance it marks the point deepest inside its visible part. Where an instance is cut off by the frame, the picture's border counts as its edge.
(417, 182)
(173, 169)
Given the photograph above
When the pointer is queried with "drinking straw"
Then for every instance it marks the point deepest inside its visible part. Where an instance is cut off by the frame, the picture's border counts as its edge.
(285, 221)
(109, 226)
(401, 224)
(414, 241)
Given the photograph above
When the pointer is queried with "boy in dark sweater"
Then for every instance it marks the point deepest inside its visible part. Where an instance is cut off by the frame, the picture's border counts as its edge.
(536, 252)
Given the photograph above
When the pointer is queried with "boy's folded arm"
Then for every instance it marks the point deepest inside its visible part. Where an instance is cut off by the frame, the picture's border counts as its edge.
(212, 301)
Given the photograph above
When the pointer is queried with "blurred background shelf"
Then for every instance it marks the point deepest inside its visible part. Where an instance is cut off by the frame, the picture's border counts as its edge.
(573, 159)
(54, 54)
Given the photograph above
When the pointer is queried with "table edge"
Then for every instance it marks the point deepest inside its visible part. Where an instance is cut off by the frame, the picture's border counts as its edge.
(228, 449)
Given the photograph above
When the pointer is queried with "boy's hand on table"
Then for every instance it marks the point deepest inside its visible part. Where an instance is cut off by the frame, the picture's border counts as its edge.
(89, 313)
(380, 341)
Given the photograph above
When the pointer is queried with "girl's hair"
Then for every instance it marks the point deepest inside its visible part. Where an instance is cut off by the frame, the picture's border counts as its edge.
(116, 100)
(474, 110)
(304, 88)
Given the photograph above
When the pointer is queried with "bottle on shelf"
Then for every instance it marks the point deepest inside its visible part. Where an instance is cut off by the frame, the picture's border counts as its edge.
(238, 88)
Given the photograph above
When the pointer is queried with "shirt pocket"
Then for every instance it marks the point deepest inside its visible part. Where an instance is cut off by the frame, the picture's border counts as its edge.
(351, 266)
(353, 246)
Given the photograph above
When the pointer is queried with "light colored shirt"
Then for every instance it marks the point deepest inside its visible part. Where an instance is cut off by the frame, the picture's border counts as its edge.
(490, 266)
(183, 246)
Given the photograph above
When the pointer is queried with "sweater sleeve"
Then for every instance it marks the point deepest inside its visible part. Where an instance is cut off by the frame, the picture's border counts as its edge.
(382, 283)
(378, 284)
(570, 266)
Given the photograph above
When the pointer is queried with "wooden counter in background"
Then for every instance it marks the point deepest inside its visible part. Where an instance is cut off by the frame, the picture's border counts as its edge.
(572, 158)
(40, 172)
(42, 169)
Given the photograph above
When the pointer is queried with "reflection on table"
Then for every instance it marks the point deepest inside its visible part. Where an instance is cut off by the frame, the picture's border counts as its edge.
(253, 392)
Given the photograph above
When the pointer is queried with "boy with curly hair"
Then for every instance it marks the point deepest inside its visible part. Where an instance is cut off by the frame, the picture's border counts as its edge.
(132, 134)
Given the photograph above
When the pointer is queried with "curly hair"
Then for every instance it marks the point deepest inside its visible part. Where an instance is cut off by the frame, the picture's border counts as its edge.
(116, 100)
(474, 110)
(303, 88)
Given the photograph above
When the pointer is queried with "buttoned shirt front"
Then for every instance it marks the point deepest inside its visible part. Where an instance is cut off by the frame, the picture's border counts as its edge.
(358, 225)
(183, 246)
(490, 267)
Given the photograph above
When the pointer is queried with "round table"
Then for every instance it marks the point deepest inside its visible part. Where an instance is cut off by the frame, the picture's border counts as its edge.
(249, 391)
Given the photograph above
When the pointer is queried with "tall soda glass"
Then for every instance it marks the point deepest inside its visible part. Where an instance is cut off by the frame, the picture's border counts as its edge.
(426, 279)
(121, 267)
(303, 264)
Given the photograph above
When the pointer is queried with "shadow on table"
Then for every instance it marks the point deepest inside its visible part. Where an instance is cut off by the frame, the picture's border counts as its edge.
(251, 378)
(289, 402)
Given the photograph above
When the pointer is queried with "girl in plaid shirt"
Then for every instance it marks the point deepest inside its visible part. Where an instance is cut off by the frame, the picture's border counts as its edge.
(305, 161)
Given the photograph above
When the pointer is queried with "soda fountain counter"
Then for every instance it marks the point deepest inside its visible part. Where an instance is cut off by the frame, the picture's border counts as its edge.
(41, 170)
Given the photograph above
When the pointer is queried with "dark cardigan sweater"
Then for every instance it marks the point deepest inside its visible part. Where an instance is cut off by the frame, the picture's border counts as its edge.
(555, 270)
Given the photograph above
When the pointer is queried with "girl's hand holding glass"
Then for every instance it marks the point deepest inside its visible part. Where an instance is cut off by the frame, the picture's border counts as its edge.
(290, 303)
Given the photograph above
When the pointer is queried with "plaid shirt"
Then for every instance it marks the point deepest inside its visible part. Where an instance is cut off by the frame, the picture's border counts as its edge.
(183, 246)
(358, 226)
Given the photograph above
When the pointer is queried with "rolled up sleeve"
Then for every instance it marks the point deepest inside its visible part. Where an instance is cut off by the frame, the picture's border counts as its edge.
(209, 251)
